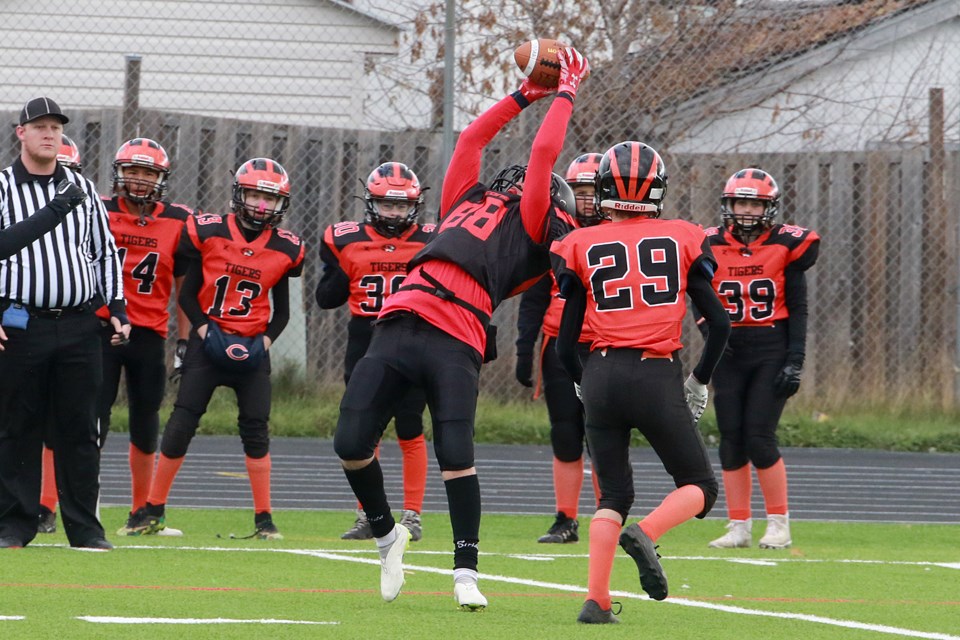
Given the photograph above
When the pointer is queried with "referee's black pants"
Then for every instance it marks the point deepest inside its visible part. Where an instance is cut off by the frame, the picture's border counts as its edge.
(55, 364)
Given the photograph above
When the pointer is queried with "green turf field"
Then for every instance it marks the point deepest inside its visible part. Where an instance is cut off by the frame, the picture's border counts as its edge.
(839, 581)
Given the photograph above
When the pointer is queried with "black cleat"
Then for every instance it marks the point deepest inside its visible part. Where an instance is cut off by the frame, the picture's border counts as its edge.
(563, 530)
(593, 614)
(641, 548)
(47, 522)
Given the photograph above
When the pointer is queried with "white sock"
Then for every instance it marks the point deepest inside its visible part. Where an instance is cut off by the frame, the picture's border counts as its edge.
(466, 576)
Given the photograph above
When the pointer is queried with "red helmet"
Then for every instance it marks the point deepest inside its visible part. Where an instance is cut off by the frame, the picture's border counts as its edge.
(69, 154)
(145, 153)
(631, 178)
(267, 176)
(392, 182)
(582, 172)
(750, 184)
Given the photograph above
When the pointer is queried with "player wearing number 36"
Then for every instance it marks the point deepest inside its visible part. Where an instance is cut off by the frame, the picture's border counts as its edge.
(627, 281)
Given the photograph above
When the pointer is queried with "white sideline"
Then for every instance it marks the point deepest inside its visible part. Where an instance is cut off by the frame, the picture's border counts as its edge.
(119, 620)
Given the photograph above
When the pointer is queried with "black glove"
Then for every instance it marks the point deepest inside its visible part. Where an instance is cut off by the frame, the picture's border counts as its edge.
(69, 197)
(525, 369)
(787, 381)
(178, 356)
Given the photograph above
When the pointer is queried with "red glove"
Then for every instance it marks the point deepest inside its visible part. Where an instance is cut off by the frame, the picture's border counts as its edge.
(533, 92)
(573, 69)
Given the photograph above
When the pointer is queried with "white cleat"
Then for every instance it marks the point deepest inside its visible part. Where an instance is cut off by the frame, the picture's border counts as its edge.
(169, 532)
(778, 532)
(468, 596)
(738, 536)
(391, 564)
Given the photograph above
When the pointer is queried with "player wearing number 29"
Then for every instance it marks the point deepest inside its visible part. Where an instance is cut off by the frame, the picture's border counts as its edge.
(237, 263)
(762, 282)
(147, 230)
(492, 243)
(363, 263)
(627, 282)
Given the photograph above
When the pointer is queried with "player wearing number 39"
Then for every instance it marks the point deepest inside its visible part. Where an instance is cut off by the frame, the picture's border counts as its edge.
(363, 263)
(237, 263)
(627, 281)
(762, 282)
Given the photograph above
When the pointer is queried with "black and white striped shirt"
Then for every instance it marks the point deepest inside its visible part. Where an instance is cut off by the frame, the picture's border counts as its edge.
(68, 266)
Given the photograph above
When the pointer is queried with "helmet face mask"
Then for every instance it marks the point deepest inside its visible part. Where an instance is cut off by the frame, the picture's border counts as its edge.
(631, 179)
(139, 185)
(69, 154)
(261, 193)
(743, 192)
(392, 197)
(582, 177)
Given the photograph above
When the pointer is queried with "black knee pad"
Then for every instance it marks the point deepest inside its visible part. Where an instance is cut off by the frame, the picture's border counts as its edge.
(617, 498)
(566, 439)
(178, 433)
(409, 425)
(710, 491)
(256, 446)
(763, 452)
(347, 443)
(732, 454)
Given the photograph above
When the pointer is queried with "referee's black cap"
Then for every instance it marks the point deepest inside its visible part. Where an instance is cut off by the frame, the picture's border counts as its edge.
(40, 107)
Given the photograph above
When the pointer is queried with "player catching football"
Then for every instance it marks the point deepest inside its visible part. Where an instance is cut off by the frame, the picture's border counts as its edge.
(761, 280)
(492, 243)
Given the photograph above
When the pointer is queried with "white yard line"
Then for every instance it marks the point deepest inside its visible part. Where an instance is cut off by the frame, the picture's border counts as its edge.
(119, 620)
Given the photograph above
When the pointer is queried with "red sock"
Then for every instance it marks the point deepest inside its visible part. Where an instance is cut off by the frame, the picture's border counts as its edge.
(567, 482)
(414, 472)
(166, 473)
(737, 485)
(258, 469)
(141, 475)
(604, 534)
(773, 484)
(48, 490)
(679, 506)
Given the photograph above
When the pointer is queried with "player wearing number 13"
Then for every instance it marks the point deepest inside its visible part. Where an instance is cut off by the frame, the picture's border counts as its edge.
(627, 282)
(761, 280)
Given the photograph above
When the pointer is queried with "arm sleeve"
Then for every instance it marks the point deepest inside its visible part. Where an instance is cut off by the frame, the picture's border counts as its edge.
(106, 259)
(189, 294)
(795, 297)
(464, 169)
(533, 306)
(700, 288)
(333, 290)
(281, 308)
(571, 322)
(21, 234)
(535, 201)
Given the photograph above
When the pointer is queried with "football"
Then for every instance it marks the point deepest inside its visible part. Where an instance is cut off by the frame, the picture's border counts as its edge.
(538, 61)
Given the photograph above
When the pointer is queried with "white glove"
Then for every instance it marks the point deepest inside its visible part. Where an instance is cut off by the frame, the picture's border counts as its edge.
(576, 387)
(696, 396)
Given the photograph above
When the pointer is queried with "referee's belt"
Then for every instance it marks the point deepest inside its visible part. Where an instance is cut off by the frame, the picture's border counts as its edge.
(53, 314)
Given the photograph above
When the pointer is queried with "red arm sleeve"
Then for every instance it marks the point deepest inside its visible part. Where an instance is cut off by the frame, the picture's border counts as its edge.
(464, 169)
(535, 200)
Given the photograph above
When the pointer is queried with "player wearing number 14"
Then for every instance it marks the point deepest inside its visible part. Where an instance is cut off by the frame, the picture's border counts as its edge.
(147, 230)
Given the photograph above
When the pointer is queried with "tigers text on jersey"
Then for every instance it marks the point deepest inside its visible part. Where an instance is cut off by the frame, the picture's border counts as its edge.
(750, 279)
(148, 250)
(375, 265)
(238, 275)
(635, 272)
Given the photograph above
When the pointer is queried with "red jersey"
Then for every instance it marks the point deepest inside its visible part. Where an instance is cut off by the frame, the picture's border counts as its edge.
(750, 278)
(148, 249)
(238, 275)
(635, 273)
(376, 265)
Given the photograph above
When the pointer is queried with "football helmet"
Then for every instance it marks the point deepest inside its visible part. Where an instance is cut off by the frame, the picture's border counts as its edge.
(146, 153)
(750, 184)
(582, 172)
(69, 154)
(267, 176)
(631, 178)
(511, 178)
(392, 183)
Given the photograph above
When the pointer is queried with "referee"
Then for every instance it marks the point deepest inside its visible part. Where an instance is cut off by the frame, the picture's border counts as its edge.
(52, 356)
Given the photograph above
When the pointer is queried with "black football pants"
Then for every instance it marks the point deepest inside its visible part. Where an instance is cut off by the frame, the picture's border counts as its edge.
(563, 406)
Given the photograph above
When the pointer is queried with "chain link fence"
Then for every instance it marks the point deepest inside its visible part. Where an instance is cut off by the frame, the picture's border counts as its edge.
(854, 107)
